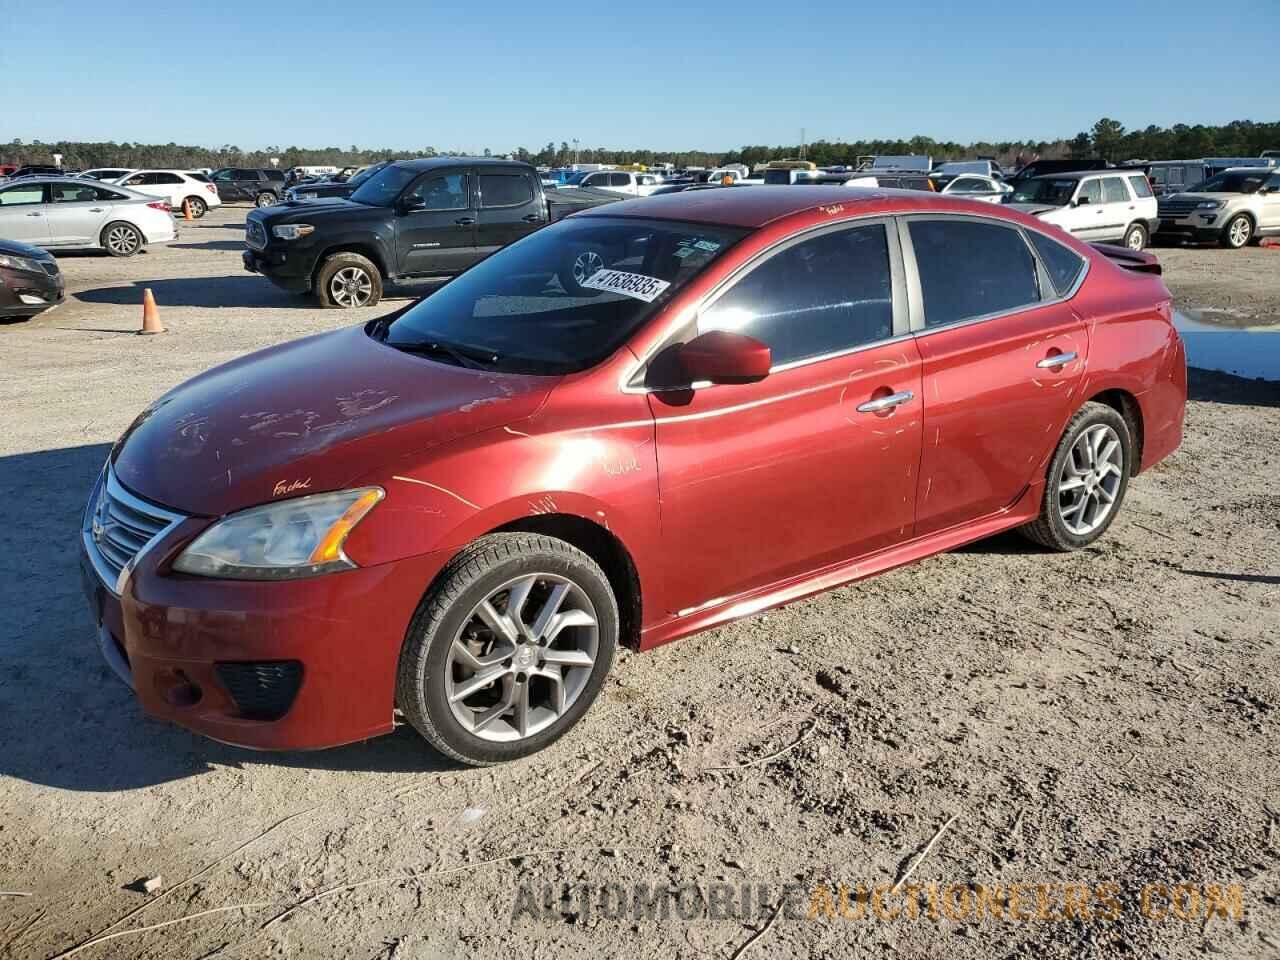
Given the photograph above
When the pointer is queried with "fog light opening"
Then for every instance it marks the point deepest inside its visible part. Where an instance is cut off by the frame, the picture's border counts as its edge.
(178, 690)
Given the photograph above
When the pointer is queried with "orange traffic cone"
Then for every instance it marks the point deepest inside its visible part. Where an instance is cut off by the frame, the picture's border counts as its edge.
(186, 210)
(150, 315)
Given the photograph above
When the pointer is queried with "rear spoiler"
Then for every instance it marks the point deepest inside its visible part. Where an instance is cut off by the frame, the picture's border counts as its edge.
(1135, 260)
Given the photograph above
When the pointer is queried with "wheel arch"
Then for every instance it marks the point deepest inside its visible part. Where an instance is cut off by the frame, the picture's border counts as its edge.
(1126, 404)
(367, 250)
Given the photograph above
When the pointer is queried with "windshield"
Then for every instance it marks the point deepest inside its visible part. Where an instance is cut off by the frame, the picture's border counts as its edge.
(562, 299)
(1232, 182)
(1049, 190)
(382, 188)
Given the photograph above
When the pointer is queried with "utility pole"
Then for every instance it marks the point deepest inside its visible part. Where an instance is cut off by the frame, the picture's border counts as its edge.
(575, 151)
(802, 143)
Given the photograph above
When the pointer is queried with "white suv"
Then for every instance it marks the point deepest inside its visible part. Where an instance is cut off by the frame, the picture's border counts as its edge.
(175, 186)
(1108, 206)
(623, 181)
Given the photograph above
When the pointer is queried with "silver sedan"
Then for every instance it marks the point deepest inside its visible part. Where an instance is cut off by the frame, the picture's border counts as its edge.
(61, 213)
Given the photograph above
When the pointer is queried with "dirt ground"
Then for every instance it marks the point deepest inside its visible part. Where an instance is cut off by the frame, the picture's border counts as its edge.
(995, 716)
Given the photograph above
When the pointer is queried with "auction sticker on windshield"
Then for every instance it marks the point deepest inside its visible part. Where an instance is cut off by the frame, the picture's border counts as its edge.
(635, 285)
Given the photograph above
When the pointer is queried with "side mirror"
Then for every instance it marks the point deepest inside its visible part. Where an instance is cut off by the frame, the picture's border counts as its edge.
(1079, 201)
(412, 205)
(723, 357)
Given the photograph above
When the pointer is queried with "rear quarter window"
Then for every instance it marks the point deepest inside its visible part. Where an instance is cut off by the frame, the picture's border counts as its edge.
(1141, 188)
(1064, 265)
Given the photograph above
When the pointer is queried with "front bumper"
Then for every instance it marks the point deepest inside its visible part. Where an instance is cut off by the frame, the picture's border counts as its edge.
(338, 636)
(293, 275)
(1197, 225)
(24, 294)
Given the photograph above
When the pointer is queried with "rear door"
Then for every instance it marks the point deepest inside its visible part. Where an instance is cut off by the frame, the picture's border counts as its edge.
(509, 208)
(770, 480)
(1270, 217)
(436, 224)
(1119, 208)
(22, 213)
(77, 212)
(1002, 354)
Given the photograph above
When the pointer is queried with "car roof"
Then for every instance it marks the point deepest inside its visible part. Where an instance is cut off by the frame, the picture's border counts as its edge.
(431, 163)
(755, 207)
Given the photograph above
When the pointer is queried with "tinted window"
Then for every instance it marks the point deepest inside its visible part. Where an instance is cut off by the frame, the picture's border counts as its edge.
(445, 192)
(246, 175)
(504, 189)
(596, 180)
(223, 175)
(1141, 188)
(1113, 190)
(167, 178)
(970, 269)
(820, 296)
(619, 180)
(970, 185)
(382, 189)
(1274, 182)
(198, 176)
(1064, 265)
(274, 174)
(531, 307)
(1090, 190)
(17, 196)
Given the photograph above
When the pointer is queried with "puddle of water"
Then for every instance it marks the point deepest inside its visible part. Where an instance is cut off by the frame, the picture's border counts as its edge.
(1216, 340)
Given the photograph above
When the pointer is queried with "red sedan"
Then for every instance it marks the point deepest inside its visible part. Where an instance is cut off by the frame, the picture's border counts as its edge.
(641, 422)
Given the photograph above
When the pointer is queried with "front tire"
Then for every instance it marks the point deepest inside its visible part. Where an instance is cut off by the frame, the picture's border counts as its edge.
(1086, 481)
(509, 649)
(121, 239)
(348, 280)
(1136, 237)
(1238, 232)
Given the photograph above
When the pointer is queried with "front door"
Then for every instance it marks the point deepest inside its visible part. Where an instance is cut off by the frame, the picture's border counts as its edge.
(1002, 360)
(77, 211)
(766, 481)
(436, 224)
(510, 208)
(22, 213)
(1086, 218)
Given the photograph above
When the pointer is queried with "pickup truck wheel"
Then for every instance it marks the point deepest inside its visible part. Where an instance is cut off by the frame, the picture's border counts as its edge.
(1238, 232)
(348, 280)
(508, 649)
(265, 199)
(579, 266)
(1135, 238)
(197, 207)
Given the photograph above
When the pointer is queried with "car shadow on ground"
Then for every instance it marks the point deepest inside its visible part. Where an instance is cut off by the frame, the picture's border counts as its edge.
(66, 721)
(1213, 387)
(210, 245)
(210, 292)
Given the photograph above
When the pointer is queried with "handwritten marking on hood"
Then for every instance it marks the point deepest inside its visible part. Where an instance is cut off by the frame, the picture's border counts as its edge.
(286, 486)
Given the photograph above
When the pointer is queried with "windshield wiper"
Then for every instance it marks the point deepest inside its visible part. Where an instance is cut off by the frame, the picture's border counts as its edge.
(462, 356)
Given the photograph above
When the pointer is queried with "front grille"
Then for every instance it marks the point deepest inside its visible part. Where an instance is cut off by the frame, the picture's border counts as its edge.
(50, 267)
(263, 690)
(255, 234)
(118, 527)
(1173, 209)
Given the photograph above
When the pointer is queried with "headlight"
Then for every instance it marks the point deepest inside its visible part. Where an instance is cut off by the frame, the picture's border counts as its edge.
(1208, 205)
(20, 263)
(293, 231)
(280, 541)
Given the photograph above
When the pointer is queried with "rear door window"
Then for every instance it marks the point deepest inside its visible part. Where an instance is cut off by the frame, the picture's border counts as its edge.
(970, 269)
(505, 190)
(821, 296)
(1064, 265)
(1113, 190)
(619, 180)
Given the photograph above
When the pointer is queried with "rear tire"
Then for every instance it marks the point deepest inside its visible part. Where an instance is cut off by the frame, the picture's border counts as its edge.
(265, 199)
(197, 206)
(121, 239)
(1136, 237)
(1086, 481)
(480, 697)
(1238, 232)
(348, 280)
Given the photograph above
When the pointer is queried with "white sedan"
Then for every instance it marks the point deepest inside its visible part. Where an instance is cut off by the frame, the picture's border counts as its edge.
(972, 186)
(176, 186)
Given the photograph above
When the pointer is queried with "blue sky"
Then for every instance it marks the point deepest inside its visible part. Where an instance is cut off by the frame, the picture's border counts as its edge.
(404, 74)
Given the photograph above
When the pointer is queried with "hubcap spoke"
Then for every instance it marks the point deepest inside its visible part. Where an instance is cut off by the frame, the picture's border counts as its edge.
(1089, 483)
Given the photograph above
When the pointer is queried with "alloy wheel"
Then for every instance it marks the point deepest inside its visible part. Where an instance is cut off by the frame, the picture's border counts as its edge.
(1239, 231)
(1136, 240)
(522, 657)
(586, 264)
(351, 287)
(123, 239)
(1089, 482)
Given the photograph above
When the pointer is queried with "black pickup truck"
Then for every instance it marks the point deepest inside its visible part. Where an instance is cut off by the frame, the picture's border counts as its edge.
(428, 219)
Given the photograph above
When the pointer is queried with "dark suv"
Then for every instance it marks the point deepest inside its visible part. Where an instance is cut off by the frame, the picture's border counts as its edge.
(261, 187)
(427, 219)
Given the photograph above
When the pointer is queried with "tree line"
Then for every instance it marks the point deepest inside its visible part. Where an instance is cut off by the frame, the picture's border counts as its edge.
(1108, 140)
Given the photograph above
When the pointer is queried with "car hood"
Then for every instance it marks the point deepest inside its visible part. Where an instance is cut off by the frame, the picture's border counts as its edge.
(1032, 209)
(292, 211)
(1187, 195)
(312, 415)
(24, 250)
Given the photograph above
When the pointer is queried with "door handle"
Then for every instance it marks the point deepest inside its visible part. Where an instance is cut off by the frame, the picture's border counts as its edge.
(96, 209)
(35, 214)
(532, 218)
(465, 221)
(885, 403)
(1057, 360)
